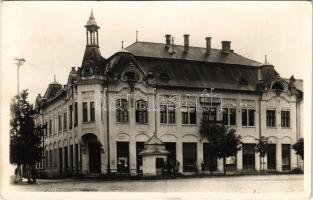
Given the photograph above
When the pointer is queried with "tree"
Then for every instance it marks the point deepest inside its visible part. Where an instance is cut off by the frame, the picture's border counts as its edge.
(262, 149)
(230, 144)
(25, 137)
(222, 142)
(212, 134)
(298, 147)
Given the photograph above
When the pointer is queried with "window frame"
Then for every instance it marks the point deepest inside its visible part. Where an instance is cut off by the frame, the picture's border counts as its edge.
(228, 113)
(85, 111)
(141, 111)
(188, 113)
(121, 109)
(284, 119)
(92, 111)
(248, 110)
(64, 120)
(270, 119)
(75, 114)
(168, 114)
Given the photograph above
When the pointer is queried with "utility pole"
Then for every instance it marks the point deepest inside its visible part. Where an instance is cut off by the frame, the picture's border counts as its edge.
(20, 62)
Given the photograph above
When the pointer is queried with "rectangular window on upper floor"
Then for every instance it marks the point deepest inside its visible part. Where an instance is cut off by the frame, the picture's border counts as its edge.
(141, 112)
(60, 122)
(247, 117)
(92, 111)
(64, 120)
(270, 118)
(70, 116)
(85, 112)
(75, 114)
(189, 115)
(167, 114)
(50, 126)
(209, 114)
(229, 116)
(285, 119)
(121, 110)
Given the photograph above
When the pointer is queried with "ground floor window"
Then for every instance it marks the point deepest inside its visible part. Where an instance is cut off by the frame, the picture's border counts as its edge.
(271, 157)
(248, 156)
(55, 163)
(139, 148)
(76, 156)
(209, 162)
(65, 159)
(286, 156)
(60, 160)
(46, 159)
(50, 158)
(71, 157)
(171, 157)
(122, 157)
(189, 157)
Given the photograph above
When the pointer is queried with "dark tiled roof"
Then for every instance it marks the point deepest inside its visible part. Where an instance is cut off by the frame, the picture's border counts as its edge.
(52, 90)
(158, 50)
(183, 73)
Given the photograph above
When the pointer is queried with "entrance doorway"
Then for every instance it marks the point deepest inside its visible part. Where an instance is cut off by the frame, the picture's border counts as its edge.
(122, 157)
(210, 162)
(189, 157)
(65, 159)
(60, 160)
(171, 147)
(139, 148)
(286, 157)
(271, 157)
(248, 156)
(94, 157)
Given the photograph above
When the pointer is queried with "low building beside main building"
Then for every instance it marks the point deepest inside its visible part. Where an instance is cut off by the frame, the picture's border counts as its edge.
(100, 120)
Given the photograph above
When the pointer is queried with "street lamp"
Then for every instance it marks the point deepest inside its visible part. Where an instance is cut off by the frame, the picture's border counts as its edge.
(20, 62)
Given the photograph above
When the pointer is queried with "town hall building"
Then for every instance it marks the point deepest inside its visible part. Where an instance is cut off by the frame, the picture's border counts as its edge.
(145, 105)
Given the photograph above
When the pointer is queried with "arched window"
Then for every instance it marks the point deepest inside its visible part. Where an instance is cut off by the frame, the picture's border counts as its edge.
(121, 110)
(141, 112)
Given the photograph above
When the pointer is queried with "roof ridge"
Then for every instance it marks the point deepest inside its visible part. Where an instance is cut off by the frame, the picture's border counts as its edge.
(174, 45)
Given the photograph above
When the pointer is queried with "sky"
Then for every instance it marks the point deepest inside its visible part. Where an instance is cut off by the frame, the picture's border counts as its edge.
(51, 35)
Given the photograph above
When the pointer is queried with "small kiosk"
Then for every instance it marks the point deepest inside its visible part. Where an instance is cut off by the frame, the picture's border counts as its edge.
(154, 156)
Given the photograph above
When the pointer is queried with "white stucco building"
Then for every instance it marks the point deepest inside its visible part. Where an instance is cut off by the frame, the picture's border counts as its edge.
(99, 121)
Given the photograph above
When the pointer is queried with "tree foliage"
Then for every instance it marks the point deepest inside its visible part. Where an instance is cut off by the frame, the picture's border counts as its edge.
(299, 148)
(222, 142)
(25, 137)
(262, 146)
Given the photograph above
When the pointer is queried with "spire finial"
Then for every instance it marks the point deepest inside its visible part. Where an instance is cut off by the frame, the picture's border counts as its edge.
(136, 36)
(54, 79)
(122, 44)
(265, 57)
(91, 14)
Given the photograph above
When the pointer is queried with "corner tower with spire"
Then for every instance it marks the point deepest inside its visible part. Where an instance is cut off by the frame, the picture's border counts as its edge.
(93, 61)
(92, 31)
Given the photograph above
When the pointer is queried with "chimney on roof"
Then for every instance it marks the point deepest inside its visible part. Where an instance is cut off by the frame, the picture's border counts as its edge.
(260, 77)
(226, 47)
(208, 45)
(167, 40)
(186, 43)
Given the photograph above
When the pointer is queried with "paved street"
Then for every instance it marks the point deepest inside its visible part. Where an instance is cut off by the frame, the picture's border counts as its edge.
(250, 184)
